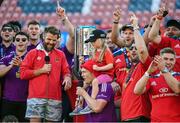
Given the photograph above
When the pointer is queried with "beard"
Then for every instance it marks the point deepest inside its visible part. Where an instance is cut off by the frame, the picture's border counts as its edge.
(135, 59)
(47, 48)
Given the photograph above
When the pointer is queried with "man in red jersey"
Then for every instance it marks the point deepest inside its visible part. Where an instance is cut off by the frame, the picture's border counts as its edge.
(46, 67)
(135, 108)
(164, 87)
(171, 36)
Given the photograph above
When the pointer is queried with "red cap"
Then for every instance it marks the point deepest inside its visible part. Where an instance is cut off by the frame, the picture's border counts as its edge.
(88, 65)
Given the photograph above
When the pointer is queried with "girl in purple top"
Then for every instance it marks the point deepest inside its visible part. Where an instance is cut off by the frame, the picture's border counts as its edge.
(15, 90)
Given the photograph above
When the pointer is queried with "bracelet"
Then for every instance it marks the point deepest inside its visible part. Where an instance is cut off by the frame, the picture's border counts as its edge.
(115, 22)
(165, 70)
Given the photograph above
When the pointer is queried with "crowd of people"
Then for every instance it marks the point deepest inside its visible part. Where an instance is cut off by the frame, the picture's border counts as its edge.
(130, 77)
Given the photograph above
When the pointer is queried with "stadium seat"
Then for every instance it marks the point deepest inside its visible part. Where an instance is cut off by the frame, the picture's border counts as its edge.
(23, 16)
(101, 10)
(177, 4)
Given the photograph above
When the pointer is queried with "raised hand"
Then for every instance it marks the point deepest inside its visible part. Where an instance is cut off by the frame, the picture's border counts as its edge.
(117, 14)
(162, 12)
(152, 67)
(134, 20)
(60, 12)
(160, 62)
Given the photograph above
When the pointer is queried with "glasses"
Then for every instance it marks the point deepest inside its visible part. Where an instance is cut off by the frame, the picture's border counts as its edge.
(133, 47)
(7, 29)
(22, 39)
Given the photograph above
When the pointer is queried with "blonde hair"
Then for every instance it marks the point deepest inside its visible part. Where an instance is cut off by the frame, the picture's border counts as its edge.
(104, 47)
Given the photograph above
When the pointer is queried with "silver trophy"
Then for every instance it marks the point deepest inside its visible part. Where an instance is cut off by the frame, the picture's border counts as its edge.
(82, 49)
(82, 34)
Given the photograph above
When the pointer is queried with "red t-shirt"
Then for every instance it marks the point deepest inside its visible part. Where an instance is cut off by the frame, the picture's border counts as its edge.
(120, 72)
(132, 105)
(165, 103)
(107, 59)
(172, 43)
(153, 49)
(120, 69)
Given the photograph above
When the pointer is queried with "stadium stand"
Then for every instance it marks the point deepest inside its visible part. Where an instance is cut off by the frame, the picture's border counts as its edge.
(101, 11)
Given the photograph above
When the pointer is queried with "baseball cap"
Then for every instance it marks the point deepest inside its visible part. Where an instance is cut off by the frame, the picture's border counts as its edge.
(173, 22)
(127, 26)
(95, 34)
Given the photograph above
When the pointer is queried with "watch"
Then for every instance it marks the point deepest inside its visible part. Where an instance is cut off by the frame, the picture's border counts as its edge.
(165, 70)
(146, 74)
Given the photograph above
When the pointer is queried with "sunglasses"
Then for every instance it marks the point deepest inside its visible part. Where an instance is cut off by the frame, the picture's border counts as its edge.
(22, 39)
(7, 29)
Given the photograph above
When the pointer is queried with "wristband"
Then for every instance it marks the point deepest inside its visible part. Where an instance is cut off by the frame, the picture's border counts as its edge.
(115, 22)
(165, 70)
(146, 74)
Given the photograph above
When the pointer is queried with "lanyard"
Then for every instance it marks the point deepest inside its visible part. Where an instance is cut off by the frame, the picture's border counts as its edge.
(128, 63)
(2, 53)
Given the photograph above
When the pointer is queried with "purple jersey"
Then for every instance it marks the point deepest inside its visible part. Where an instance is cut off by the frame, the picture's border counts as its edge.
(108, 114)
(32, 46)
(4, 51)
(14, 88)
(68, 55)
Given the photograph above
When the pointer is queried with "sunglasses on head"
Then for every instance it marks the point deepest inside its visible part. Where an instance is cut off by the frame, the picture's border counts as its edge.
(7, 29)
(22, 39)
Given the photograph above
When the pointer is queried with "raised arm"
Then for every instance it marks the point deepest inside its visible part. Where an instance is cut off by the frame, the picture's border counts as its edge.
(139, 41)
(115, 29)
(65, 21)
(147, 30)
(154, 32)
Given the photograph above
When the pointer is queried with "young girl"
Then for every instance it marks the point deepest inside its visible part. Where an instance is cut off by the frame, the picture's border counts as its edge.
(103, 63)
